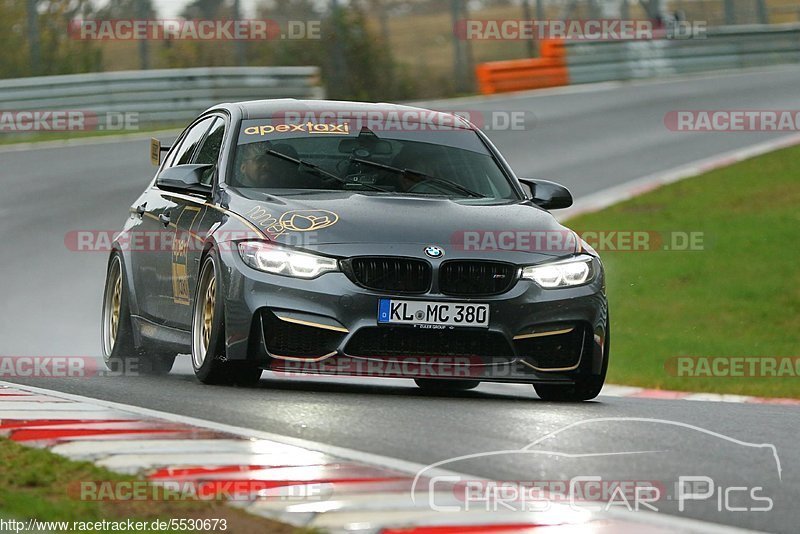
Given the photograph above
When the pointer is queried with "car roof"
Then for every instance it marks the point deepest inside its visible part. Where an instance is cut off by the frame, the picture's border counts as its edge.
(264, 109)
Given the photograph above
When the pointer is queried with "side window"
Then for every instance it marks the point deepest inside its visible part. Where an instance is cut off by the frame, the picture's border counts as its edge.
(209, 152)
(190, 141)
(170, 159)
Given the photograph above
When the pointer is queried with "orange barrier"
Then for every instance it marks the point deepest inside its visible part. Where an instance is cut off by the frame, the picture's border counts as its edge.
(547, 70)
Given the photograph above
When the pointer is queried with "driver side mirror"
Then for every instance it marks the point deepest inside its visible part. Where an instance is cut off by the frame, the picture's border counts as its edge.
(185, 178)
(546, 194)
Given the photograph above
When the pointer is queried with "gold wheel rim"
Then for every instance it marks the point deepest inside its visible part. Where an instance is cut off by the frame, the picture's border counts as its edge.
(116, 305)
(203, 315)
(112, 308)
(208, 311)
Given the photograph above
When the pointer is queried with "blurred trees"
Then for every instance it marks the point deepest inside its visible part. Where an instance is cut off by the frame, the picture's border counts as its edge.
(55, 51)
(187, 53)
(355, 59)
(14, 56)
(353, 48)
(126, 9)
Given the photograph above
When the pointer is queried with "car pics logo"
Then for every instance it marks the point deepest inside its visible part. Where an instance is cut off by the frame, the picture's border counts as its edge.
(308, 127)
(291, 221)
(449, 491)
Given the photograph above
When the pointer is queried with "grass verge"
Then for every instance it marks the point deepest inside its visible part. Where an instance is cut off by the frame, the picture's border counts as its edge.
(738, 296)
(35, 483)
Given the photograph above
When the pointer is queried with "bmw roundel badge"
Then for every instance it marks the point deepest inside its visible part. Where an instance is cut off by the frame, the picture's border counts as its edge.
(434, 251)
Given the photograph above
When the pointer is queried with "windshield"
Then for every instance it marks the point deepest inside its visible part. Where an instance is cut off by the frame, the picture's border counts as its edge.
(451, 162)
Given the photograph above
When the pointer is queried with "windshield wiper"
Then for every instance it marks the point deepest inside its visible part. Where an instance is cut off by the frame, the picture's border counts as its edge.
(412, 172)
(315, 169)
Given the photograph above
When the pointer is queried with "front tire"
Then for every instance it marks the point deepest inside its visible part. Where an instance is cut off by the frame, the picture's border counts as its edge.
(120, 353)
(208, 332)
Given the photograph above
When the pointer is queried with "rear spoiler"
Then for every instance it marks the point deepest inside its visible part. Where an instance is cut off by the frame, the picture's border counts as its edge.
(155, 151)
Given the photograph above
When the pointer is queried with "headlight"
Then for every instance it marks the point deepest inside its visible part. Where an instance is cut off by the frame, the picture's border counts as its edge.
(278, 260)
(572, 272)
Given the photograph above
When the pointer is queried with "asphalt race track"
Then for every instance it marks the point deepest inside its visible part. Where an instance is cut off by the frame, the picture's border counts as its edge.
(589, 139)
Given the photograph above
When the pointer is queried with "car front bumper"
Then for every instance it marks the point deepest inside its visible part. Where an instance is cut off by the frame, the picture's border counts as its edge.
(329, 326)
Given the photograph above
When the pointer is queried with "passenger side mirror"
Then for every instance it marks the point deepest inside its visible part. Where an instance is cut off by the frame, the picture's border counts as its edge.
(185, 178)
(546, 194)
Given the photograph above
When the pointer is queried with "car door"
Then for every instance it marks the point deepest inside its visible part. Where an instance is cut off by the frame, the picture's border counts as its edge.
(190, 219)
(164, 296)
(140, 240)
(146, 241)
(193, 222)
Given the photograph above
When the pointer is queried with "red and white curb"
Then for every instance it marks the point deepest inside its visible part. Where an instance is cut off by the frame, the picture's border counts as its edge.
(611, 390)
(296, 481)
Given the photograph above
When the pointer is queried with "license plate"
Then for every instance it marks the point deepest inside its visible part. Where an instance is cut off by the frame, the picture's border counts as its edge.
(439, 313)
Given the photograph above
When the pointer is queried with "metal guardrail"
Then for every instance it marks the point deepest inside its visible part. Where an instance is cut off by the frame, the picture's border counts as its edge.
(158, 95)
(729, 47)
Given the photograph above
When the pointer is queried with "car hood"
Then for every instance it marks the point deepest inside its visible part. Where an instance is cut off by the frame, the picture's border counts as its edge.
(335, 221)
